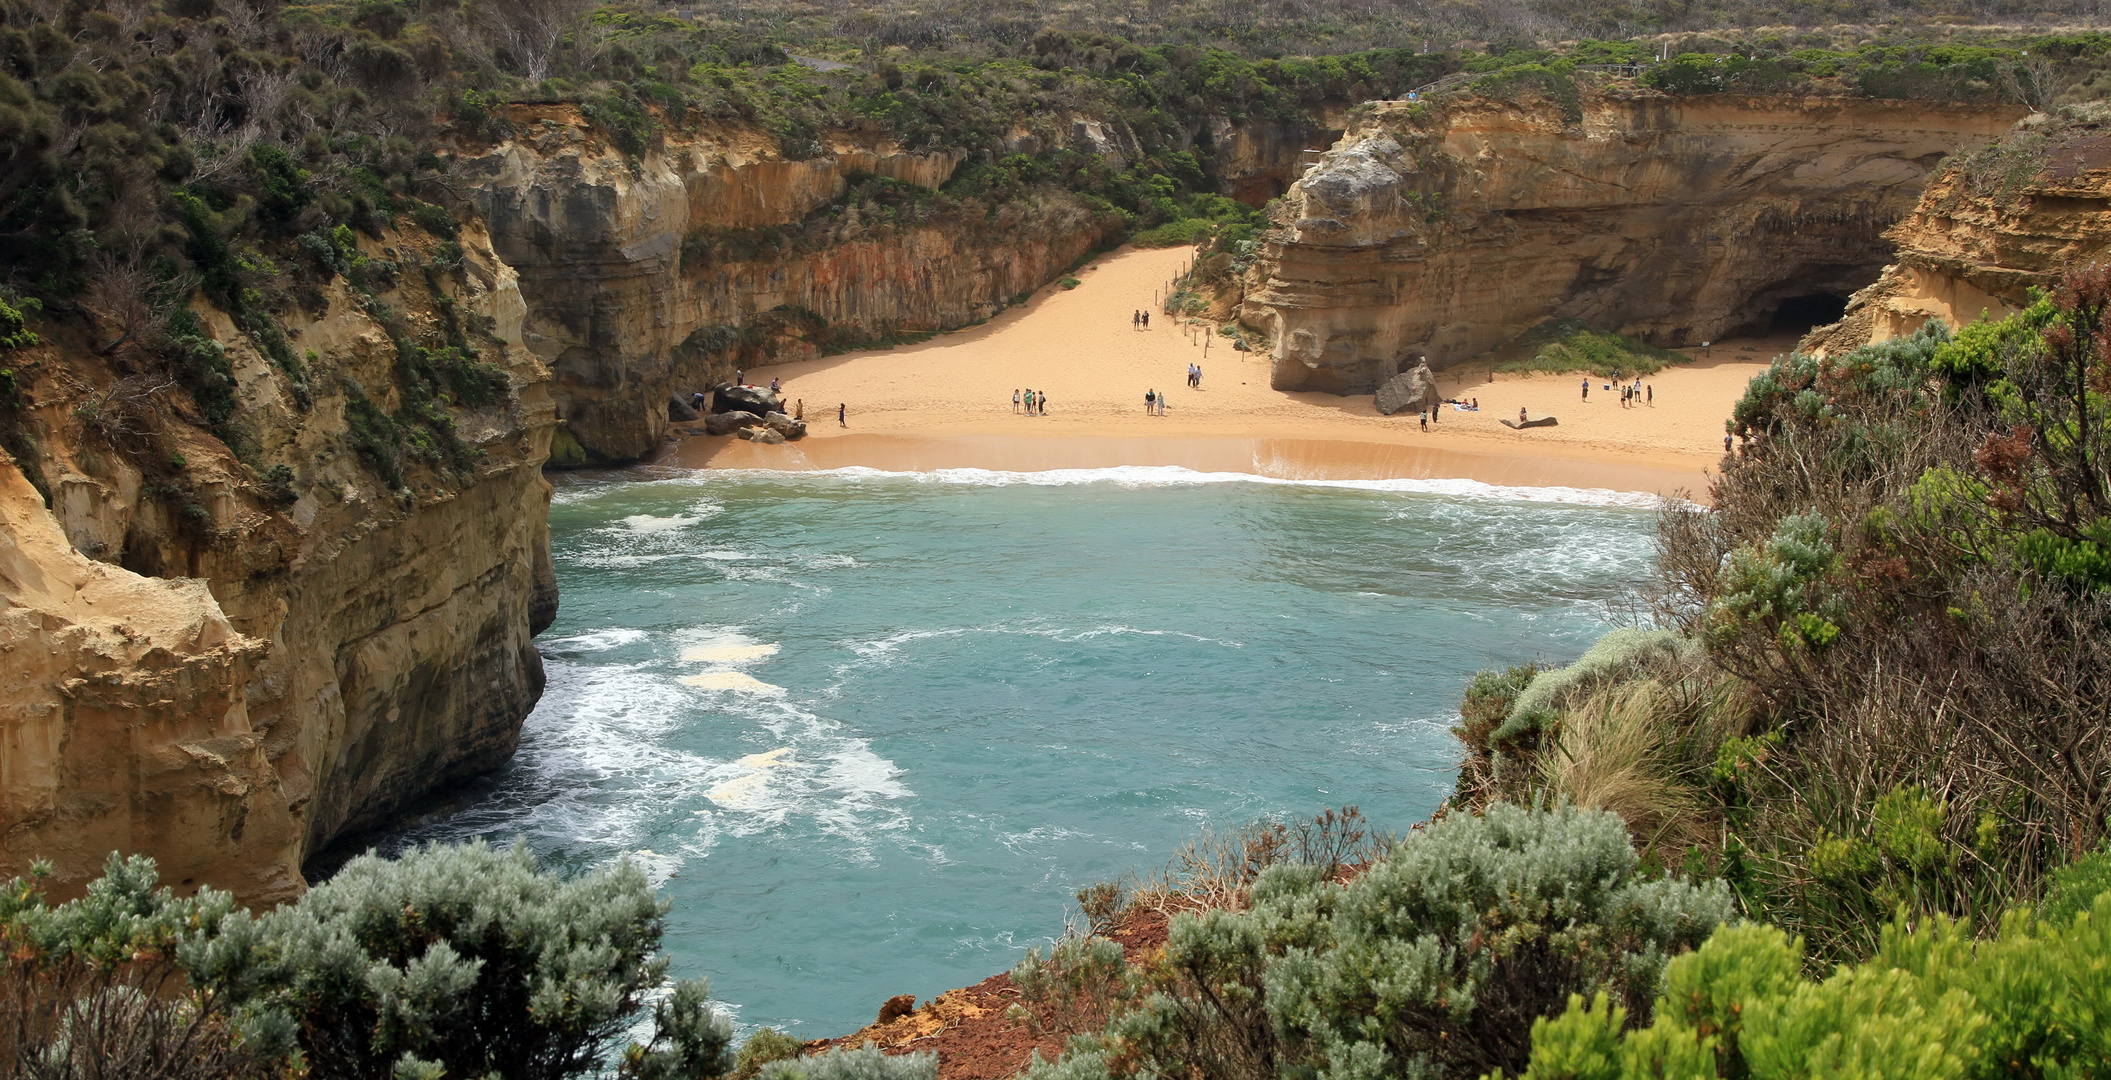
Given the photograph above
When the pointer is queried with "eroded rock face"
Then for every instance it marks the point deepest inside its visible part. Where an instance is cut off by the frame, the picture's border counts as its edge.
(1448, 228)
(636, 285)
(1971, 249)
(230, 678)
(598, 240)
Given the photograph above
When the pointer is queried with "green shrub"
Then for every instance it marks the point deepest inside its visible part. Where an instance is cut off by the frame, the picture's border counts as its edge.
(761, 1048)
(1069, 283)
(864, 1063)
(1619, 652)
(468, 958)
(1932, 1003)
(460, 961)
(1433, 962)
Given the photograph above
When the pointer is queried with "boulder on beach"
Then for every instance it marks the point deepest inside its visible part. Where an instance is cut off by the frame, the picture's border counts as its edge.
(762, 433)
(678, 410)
(785, 425)
(1544, 421)
(753, 399)
(1410, 391)
(726, 423)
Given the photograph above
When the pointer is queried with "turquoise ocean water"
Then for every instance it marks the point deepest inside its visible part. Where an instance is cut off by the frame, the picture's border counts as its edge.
(871, 731)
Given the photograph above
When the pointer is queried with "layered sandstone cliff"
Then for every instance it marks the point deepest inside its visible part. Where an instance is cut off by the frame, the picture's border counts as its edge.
(1986, 232)
(636, 278)
(227, 673)
(1446, 228)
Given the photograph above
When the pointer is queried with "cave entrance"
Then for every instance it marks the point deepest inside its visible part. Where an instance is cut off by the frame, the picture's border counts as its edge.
(1801, 314)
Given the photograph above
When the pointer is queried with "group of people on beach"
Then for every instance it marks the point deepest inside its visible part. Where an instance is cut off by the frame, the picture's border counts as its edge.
(1153, 403)
(1194, 376)
(1630, 393)
(1139, 319)
(1036, 402)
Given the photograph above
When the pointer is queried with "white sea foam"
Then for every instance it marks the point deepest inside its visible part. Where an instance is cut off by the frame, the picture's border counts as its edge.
(730, 680)
(729, 653)
(1175, 475)
(596, 640)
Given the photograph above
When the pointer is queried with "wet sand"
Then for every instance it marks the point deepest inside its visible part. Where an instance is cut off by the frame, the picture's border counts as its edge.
(947, 403)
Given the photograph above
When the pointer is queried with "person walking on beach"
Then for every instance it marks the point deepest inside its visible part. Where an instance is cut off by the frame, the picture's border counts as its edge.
(1136, 318)
(799, 412)
(1147, 320)
(1650, 395)
(1424, 414)
(842, 411)
(1586, 388)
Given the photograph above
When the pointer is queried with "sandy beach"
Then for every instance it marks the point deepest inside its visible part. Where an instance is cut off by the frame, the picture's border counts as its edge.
(947, 403)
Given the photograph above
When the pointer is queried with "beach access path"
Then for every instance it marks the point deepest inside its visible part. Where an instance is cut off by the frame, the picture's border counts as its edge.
(947, 403)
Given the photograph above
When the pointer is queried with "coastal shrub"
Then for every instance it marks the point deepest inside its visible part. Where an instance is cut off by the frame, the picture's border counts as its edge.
(466, 959)
(1904, 572)
(2032, 1001)
(93, 987)
(1433, 962)
(761, 1048)
(1570, 346)
(863, 1063)
(455, 961)
(1620, 651)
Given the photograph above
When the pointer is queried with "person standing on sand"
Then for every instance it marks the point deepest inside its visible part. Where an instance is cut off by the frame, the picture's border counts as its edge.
(1651, 395)
(1586, 388)
(1424, 414)
(1150, 402)
(1015, 399)
(800, 414)
(740, 377)
(1042, 401)
(1147, 320)
(1726, 444)
(842, 412)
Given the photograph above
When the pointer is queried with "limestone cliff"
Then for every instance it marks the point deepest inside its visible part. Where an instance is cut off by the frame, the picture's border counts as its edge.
(1445, 228)
(226, 665)
(643, 274)
(1989, 229)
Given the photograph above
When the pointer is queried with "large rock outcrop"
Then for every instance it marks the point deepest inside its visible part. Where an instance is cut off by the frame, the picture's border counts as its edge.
(623, 315)
(1447, 228)
(228, 670)
(644, 276)
(1981, 239)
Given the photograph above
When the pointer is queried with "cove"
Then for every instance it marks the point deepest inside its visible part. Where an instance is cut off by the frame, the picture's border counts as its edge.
(870, 731)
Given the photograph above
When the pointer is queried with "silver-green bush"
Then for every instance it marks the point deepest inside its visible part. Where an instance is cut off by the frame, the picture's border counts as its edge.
(1433, 963)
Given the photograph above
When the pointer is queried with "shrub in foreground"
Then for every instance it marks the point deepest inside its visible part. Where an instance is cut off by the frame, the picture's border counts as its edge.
(1931, 1004)
(1434, 962)
(449, 961)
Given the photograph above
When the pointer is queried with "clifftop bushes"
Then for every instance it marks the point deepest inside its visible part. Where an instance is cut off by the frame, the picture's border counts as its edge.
(1890, 689)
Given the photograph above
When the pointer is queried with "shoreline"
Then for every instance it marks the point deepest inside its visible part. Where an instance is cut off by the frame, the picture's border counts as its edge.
(1294, 459)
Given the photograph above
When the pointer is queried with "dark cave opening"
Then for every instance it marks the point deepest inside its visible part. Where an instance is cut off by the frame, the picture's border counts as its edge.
(1800, 314)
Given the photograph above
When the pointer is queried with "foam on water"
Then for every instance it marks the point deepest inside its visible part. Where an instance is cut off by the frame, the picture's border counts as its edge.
(1176, 475)
(871, 731)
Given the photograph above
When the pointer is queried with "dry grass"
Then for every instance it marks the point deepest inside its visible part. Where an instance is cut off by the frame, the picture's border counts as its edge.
(1610, 753)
